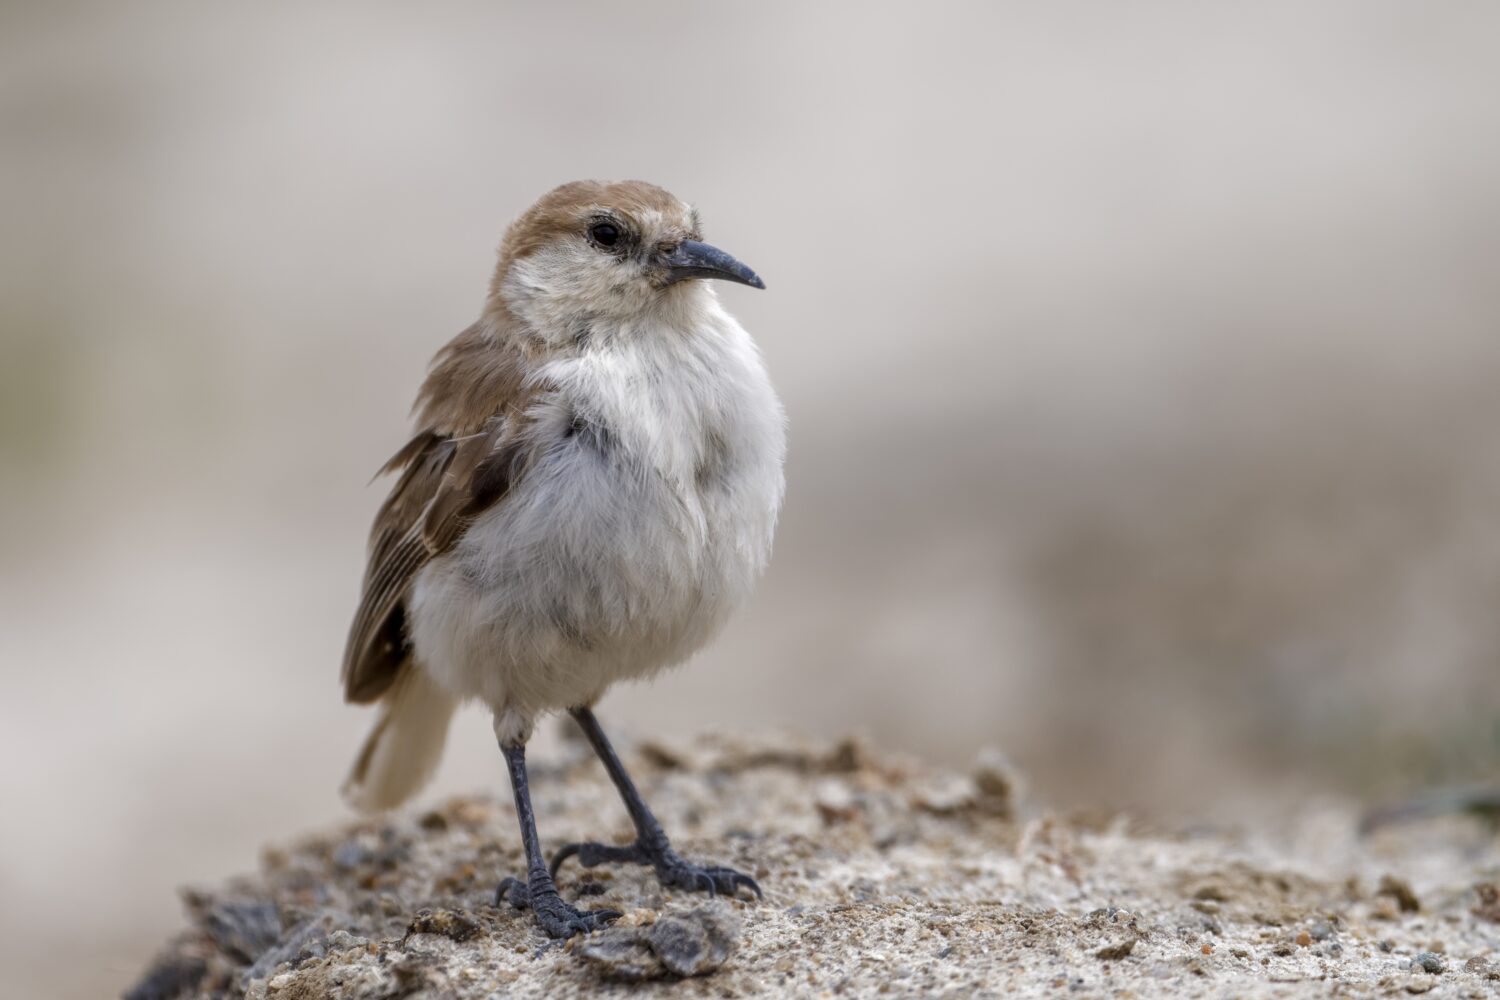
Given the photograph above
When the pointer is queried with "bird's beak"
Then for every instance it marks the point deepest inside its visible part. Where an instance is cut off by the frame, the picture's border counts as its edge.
(692, 259)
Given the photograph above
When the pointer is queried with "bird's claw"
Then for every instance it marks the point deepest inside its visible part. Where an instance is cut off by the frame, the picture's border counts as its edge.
(513, 891)
(671, 870)
(554, 916)
(714, 879)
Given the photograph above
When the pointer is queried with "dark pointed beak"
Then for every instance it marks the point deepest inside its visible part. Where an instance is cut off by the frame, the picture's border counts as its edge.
(692, 259)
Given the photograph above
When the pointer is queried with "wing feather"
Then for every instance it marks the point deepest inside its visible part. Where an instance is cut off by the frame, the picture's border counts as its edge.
(451, 472)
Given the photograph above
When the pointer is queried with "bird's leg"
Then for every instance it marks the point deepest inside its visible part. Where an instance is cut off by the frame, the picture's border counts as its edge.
(539, 891)
(651, 846)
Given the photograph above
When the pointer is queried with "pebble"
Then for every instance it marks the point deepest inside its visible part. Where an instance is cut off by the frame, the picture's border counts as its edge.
(244, 927)
(1399, 890)
(342, 940)
(691, 943)
(456, 925)
(697, 942)
(999, 784)
(352, 854)
(621, 953)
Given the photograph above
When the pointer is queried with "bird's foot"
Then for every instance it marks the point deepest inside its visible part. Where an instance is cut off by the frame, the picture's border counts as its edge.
(557, 918)
(671, 870)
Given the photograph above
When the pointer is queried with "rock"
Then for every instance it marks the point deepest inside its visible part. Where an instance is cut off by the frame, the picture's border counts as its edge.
(999, 785)
(1488, 906)
(882, 876)
(455, 924)
(697, 942)
(1400, 891)
(691, 943)
(176, 975)
(621, 953)
(946, 796)
(993, 788)
(835, 801)
(243, 928)
(353, 853)
(1115, 952)
(304, 941)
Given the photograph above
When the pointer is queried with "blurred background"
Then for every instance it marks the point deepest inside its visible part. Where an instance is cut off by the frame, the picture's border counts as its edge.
(1142, 362)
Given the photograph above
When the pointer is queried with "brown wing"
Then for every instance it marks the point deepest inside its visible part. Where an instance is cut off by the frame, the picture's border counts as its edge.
(448, 477)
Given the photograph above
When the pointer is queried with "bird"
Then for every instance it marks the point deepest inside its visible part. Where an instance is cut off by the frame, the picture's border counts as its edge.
(592, 488)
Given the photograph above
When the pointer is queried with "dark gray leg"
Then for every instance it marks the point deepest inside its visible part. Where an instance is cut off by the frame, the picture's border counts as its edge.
(539, 891)
(651, 846)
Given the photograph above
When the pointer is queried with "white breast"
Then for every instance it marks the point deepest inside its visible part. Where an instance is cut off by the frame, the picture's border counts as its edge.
(624, 547)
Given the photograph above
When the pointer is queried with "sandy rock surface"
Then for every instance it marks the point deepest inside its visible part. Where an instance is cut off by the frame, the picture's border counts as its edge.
(882, 877)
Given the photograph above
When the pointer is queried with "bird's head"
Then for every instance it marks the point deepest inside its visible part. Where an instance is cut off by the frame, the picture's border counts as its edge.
(590, 250)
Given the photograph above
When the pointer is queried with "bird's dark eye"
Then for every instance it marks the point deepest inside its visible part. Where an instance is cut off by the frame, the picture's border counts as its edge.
(605, 234)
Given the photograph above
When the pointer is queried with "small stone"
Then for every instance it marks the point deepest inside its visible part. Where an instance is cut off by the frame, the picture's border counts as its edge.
(850, 754)
(470, 812)
(1488, 906)
(1321, 931)
(433, 821)
(307, 939)
(1399, 890)
(170, 977)
(1304, 939)
(620, 953)
(247, 928)
(664, 755)
(636, 918)
(947, 795)
(694, 943)
(999, 784)
(835, 802)
(697, 942)
(352, 854)
(1117, 951)
(342, 940)
(453, 924)
(1428, 962)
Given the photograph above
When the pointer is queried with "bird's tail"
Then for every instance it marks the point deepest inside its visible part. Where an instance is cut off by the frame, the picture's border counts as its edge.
(404, 748)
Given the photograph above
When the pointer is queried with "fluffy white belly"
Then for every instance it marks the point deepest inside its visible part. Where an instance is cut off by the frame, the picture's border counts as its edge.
(620, 551)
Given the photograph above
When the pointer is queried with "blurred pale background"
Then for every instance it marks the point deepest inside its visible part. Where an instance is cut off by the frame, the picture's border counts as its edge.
(1143, 367)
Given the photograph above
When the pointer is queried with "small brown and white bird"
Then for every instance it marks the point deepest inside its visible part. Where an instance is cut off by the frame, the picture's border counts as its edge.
(592, 489)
